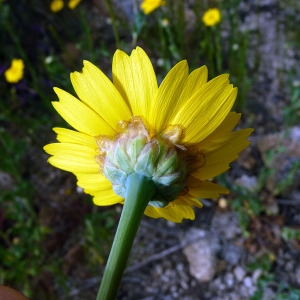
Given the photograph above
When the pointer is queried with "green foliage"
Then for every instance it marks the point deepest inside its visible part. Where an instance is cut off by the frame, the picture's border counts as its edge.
(33, 34)
(292, 111)
(52, 46)
(98, 235)
(283, 291)
(267, 280)
(288, 233)
(247, 203)
(21, 235)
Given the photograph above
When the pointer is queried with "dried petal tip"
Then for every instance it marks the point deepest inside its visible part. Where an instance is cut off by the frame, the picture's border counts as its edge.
(156, 157)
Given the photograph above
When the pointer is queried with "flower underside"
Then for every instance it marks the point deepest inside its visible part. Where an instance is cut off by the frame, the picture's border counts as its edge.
(159, 157)
(178, 134)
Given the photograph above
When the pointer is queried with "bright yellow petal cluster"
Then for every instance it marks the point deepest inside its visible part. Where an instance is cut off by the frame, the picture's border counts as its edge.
(212, 17)
(15, 72)
(73, 3)
(199, 107)
(56, 5)
(149, 6)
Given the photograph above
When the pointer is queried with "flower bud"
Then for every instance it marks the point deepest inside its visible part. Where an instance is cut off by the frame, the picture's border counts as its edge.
(155, 157)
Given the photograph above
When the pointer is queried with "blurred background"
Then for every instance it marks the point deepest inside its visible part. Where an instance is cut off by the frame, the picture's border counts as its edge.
(54, 242)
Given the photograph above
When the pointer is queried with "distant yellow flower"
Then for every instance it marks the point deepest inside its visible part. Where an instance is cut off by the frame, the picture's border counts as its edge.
(73, 3)
(148, 6)
(165, 22)
(178, 134)
(212, 17)
(56, 5)
(15, 72)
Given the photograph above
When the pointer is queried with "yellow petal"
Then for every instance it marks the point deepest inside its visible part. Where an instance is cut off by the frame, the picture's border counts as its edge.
(74, 137)
(93, 182)
(73, 3)
(204, 189)
(194, 82)
(219, 156)
(107, 197)
(70, 149)
(148, 6)
(56, 5)
(99, 94)
(74, 166)
(229, 146)
(175, 211)
(206, 109)
(191, 201)
(135, 79)
(226, 126)
(72, 157)
(211, 171)
(80, 116)
(167, 96)
(100, 187)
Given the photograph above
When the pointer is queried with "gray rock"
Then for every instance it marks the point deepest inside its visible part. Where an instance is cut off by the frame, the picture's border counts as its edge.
(227, 225)
(126, 6)
(289, 266)
(297, 275)
(232, 254)
(268, 294)
(201, 256)
(248, 182)
(229, 280)
(248, 282)
(256, 274)
(239, 273)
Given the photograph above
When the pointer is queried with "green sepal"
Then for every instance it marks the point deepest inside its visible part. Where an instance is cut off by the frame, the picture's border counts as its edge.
(146, 162)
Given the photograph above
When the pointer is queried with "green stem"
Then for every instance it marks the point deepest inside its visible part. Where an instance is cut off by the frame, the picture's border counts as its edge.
(114, 23)
(139, 190)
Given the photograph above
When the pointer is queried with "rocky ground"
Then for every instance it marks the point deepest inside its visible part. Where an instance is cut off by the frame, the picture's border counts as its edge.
(193, 261)
(213, 257)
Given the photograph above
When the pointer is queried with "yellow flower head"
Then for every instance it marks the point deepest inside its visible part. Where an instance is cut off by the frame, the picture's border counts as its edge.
(178, 134)
(165, 22)
(212, 17)
(149, 6)
(56, 5)
(73, 3)
(15, 72)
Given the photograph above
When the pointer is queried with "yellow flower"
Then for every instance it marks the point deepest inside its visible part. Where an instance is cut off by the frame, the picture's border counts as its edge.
(56, 5)
(15, 72)
(165, 22)
(212, 17)
(148, 6)
(73, 3)
(179, 134)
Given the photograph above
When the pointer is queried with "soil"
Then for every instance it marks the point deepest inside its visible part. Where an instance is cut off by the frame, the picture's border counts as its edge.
(165, 256)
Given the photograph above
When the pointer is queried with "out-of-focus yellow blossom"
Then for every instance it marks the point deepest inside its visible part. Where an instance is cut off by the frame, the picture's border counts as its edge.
(73, 3)
(56, 5)
(212, 17)
(15, 72)
(177, 134)
(165, 22)
(148, 6)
